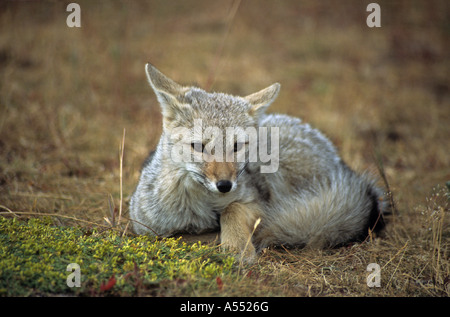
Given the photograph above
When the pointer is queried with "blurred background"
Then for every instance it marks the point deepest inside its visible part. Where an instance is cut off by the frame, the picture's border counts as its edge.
(67, 94)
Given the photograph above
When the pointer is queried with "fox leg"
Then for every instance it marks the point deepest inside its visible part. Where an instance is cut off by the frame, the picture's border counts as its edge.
(237, 225)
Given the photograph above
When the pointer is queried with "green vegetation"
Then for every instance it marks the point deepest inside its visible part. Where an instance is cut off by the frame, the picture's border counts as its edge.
(35, 255)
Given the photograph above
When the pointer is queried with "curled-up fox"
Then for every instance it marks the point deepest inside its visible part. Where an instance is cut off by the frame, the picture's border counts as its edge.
(223, 163)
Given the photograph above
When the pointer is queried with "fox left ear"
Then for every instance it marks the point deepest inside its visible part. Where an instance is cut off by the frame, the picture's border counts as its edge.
(262, 99)
(167, 91)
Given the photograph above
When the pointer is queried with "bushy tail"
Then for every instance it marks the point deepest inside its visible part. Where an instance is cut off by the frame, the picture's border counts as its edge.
(344, 209)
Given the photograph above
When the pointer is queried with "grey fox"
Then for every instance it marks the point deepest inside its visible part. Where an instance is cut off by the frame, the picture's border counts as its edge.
(310, 198)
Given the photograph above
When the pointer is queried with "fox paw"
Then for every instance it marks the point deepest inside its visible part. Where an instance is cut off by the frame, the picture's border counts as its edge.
(246, 255)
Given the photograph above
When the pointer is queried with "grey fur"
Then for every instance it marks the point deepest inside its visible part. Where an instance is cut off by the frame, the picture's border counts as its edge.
(313, 199)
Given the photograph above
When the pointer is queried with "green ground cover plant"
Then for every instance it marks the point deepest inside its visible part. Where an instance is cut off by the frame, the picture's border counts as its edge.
(35, 255)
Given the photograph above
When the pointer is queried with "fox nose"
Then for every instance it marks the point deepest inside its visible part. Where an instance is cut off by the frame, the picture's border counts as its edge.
(224, 186)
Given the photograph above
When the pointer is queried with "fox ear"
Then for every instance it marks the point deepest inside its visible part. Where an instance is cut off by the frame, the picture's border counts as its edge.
(262, 99)
(167, 91)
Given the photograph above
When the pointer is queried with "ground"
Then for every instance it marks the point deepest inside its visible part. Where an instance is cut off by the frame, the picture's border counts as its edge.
(380, 94)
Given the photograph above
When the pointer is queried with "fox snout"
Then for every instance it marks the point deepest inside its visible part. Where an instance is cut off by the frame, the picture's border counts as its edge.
(224, 186)
(221, 174)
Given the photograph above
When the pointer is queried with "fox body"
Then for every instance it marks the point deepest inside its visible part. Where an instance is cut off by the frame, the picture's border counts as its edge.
(310, 197)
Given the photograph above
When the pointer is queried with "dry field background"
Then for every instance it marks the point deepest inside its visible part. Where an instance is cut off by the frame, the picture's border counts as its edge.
(381, 94)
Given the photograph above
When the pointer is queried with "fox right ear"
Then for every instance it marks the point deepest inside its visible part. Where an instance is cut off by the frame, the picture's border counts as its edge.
(259, 101)
(167, 91)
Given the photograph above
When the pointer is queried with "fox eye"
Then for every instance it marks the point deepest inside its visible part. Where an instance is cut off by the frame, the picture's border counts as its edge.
(238, 146)
(198, 147)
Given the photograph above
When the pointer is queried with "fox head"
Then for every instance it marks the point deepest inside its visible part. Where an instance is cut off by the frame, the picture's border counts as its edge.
(205, 133)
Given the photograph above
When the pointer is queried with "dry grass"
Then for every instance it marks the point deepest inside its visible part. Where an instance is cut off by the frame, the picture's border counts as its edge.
(66, 96)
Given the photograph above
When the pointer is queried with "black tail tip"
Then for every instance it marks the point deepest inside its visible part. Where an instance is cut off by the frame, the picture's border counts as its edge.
(377, 220)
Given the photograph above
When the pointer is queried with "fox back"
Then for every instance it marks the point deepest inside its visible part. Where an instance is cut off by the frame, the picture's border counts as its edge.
(219, 151)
